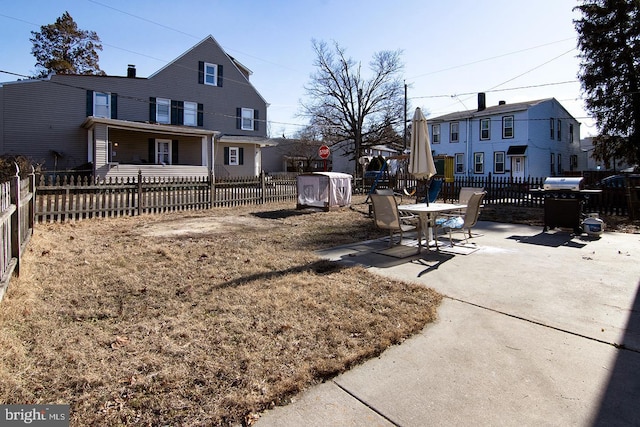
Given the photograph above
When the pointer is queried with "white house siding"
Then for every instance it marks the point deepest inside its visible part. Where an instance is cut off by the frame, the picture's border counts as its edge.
(531, 129)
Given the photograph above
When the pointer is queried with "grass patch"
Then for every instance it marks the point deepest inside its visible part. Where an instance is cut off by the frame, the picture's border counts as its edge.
(196, 318)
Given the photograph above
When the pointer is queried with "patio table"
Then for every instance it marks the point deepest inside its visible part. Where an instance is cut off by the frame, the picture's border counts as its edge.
(427, 214)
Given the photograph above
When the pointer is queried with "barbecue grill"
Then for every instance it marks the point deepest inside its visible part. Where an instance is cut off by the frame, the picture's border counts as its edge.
(563, 200)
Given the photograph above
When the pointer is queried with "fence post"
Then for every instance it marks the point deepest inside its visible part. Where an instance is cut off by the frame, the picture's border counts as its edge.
(263, 186)
(212, 188)
(15, 219)
(139, 192)
(32, 202)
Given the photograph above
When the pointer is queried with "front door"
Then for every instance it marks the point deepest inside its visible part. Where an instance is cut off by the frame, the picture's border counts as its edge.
(517, 167)
(163, 151)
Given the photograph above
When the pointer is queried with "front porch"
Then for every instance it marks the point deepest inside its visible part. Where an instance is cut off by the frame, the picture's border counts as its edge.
(121, 149)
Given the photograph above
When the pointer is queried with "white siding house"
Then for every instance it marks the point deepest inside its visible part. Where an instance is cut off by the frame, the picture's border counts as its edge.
(525, 139)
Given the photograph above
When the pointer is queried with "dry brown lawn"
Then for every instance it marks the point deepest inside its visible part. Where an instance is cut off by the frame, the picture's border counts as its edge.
(195, 318)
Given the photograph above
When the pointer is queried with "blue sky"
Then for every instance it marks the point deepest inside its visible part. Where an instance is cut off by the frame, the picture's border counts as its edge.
(514, 50)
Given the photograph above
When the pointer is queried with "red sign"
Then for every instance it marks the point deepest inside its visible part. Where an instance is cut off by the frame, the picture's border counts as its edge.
(323, 152)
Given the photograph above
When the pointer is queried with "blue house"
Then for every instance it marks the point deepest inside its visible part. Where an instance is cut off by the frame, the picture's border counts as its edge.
(525, 139)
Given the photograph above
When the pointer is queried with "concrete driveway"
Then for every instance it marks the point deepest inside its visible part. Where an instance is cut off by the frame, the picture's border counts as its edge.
(535, 329)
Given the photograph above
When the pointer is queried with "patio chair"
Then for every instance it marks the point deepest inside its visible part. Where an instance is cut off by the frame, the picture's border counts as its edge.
(387, 217)
(462, 223)
(405, 217)
(466, 192)
(434, 190)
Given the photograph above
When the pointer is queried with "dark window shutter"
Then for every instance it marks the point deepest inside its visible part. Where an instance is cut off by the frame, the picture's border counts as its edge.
(174, 152)
(226, 155)
(152, 110)
(201, 72)
(200, 115)
(219, 83)
(180, 112)
(241, 156)
(174, 112)
(238, 118)
(114, 105)
(152, 151)
(256, 123)
(89, 103)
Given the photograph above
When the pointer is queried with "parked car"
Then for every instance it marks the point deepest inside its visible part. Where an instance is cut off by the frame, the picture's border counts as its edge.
(615, 181)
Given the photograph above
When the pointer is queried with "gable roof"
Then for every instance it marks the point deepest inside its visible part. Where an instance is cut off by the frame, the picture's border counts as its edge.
(490, 111)
(241, 68)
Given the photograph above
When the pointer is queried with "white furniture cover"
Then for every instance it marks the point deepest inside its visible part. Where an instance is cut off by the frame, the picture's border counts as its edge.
(324, 190)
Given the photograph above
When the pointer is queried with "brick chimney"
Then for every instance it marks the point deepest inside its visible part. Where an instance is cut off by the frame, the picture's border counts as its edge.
(131, 71)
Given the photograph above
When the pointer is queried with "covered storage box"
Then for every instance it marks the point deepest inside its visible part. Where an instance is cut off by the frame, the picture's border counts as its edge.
(326, 190)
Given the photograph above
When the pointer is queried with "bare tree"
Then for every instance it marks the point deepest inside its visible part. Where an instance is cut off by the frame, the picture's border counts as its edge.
(346, 105)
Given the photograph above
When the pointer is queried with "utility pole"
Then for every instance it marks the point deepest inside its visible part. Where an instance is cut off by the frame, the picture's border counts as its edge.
(404, 119)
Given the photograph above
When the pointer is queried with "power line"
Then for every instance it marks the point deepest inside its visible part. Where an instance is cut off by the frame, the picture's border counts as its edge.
(496, 90)
(491, 58)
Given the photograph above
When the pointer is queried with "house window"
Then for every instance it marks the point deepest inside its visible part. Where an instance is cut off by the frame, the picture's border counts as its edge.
(459, 162)
(560, 170)
(210, 74)
(552, 166)
(571, 133)
(559, 130)
(573, 162)
(485, 126)
(163, 110)
(190, 113)
(498, 162)
(163, 151)
(247, 119)
(101, 105)
(435, 130)
(507, 127)
(233, 156)
(454, 132)
(478, 162)
(552, 127)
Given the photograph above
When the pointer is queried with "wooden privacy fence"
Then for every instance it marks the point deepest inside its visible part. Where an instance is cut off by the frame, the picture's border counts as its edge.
(71, 198)
(16, 223)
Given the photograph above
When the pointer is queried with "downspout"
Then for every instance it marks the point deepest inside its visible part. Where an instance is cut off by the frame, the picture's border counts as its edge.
(468, 169)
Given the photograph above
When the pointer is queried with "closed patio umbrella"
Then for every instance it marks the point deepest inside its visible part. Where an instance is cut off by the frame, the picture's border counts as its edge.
(421, 164)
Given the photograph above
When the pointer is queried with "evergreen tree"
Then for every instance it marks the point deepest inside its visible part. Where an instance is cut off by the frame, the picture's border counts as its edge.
(64, 48)
(609, 41)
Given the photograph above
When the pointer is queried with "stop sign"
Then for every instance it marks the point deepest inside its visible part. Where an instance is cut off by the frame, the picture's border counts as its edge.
(323, 152)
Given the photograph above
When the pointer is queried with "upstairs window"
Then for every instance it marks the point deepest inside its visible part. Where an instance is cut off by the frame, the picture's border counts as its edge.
(190, 113)
(559, 130)
(247, 119)
(454, 132)
(552, 127)
(507, 127)
(435, 131)
(101, 105)
(571, 132)
(209, 74)
(485, 129)
(163, 110)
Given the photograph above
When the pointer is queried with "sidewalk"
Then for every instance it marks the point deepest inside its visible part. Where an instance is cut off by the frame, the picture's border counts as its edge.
(535, 329)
